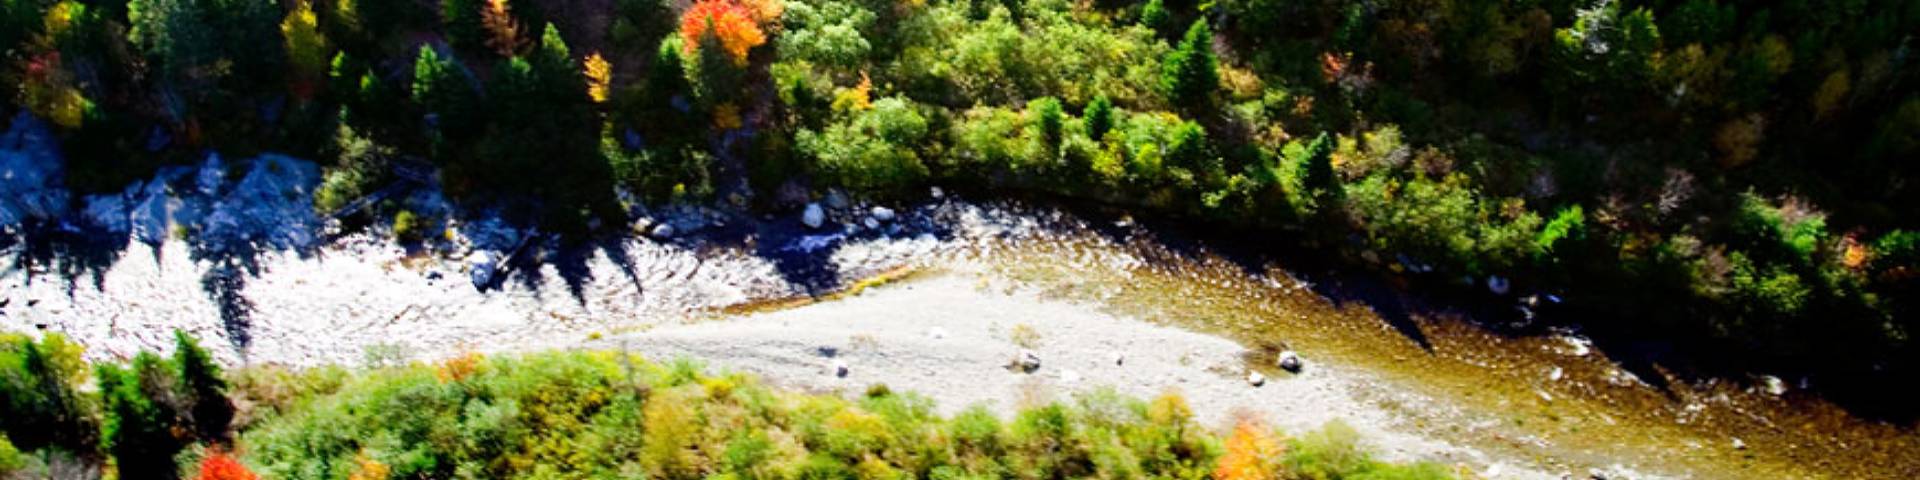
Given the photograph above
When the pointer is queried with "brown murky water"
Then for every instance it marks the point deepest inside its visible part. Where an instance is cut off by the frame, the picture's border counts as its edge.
(1549, 401)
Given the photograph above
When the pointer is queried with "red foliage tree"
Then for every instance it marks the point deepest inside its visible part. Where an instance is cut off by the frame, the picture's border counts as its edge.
(221, 466)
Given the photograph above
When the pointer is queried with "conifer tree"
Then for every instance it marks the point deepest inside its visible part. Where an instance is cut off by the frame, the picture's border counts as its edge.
(1191, 72)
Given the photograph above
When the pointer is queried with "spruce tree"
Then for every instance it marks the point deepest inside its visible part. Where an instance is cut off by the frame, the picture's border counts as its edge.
(1099, 116)
(1318, 167)
(202, 388)
(1191, 72)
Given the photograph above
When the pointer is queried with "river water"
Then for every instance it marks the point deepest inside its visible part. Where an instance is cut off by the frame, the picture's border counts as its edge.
(106, 275)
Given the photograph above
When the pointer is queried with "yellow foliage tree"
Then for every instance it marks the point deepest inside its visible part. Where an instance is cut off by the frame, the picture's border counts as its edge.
(306, 48)
(1253, 453)
(599, 75)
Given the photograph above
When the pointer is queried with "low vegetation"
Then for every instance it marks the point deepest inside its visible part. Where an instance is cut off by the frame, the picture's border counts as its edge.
(596, 415)
(1723, 173)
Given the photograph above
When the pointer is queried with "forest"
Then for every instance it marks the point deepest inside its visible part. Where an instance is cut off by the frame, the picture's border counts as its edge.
(1726, 175)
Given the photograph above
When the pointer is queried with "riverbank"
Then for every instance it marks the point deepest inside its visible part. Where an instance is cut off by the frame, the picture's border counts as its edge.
(1427, 387)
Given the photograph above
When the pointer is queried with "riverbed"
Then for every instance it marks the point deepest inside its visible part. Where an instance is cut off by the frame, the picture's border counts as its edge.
(929, 300)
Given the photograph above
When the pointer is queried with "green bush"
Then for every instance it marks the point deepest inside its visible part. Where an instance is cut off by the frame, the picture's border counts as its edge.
(876, 149)
(40, 390)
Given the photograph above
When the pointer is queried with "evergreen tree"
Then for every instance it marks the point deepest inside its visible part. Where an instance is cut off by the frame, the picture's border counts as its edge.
(1191, 72)
(1318, 167)
(202, 388)
(1099, 116)
(140, 417)
(1154, 16)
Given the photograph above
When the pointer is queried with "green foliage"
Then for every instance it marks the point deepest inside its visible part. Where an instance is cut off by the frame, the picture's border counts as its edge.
(827, 33)
(140, 415)
(407, 226)
(1099, 115)
(1154, 15)
(1191, 73)
(1568, 225)
(1317, 165)
(203, 390)
(39, 388)
(872, 150)
(1051, 120)
(639, 23)
(10, 458)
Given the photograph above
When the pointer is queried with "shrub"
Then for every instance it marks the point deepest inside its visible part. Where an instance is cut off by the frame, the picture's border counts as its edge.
(221, 466)
(873, 150)
(407, 226)
(39, 389)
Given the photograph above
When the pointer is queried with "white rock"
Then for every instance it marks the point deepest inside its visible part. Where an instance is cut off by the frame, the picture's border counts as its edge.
(1027, 361)
(1739, 444)
(1555, 374)
(1290, 361)
(870, 223)
(1773, 385)
(813, 216)
(883, 214)
(938, 193)
(1256, 379)
(664, 230)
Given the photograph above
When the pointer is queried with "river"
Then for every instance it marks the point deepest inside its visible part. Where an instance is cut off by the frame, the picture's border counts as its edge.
(1550, 402)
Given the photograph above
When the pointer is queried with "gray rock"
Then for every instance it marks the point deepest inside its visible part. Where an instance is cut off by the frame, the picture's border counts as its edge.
(938, 193)
(840, 368)
(870, 223)
(813, 216)
(883, 214)
(1290, 361)
(663, 231)
(836, 200)
(1497, 284)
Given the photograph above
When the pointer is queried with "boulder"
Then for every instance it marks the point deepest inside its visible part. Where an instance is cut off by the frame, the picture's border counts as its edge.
(663, 231)
(938, 193)
(1497, 284)
(870, 223)
(1256, 379)
(836, 200)
(840, 368)
(883, 214)
(1026, 361)
(1290, 361)
(813, 216)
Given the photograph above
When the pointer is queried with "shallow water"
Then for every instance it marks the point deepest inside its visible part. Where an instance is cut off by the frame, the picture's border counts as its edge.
(1552, 402)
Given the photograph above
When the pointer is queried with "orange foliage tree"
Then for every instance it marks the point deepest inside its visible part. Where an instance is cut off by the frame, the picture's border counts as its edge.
(1252, 453)
(221, 466)
(732, 23)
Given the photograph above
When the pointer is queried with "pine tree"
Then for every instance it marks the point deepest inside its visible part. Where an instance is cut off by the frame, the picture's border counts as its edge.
(140, 417)
(1191, 72)
(204, 390)
(1154, 16)
(1318, 167)
(1099, 117)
